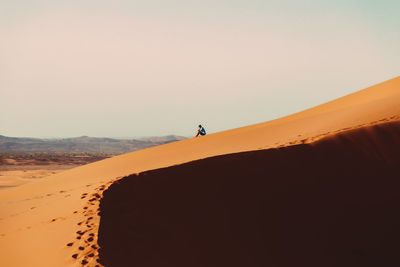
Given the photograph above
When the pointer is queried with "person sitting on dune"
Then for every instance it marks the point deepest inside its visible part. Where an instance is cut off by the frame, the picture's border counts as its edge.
(201, 131)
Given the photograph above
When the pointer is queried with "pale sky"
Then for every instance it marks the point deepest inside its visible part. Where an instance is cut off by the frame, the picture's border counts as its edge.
(148, 68)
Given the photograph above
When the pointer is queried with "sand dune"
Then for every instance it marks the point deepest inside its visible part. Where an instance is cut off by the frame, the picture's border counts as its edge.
(332, 203)
(46, 222)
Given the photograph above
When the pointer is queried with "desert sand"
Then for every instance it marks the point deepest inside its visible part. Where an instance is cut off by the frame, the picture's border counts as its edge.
(21, 168)
(19, 177)
(54, 221)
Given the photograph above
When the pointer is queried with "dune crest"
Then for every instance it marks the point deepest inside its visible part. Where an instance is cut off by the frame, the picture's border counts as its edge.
(39, 219)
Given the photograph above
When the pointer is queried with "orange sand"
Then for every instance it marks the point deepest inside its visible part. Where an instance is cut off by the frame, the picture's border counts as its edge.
(39, 219)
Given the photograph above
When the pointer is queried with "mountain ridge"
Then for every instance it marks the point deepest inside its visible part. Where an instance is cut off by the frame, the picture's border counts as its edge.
(81, 144)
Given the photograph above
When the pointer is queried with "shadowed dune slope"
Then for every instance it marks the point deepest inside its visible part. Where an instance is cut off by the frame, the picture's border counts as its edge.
(330, 203)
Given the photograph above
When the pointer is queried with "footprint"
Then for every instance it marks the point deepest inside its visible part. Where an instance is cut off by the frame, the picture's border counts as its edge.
(88, 244)
(57, 219)
(81, 232)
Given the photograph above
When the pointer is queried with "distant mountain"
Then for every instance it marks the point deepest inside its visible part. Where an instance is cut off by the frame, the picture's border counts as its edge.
(167, 138)
(82, 144)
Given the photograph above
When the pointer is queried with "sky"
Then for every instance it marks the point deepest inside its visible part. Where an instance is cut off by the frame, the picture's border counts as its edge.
(150, 68)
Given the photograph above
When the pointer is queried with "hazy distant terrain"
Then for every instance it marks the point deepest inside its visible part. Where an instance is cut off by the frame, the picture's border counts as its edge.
(83, 144)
